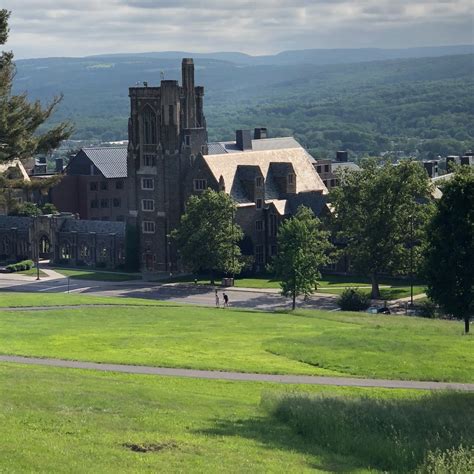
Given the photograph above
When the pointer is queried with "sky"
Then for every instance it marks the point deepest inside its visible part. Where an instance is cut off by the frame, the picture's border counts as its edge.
(43, 28)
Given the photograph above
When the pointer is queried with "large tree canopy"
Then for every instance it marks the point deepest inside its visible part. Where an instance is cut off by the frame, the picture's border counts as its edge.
(303, 247)
(449, 264)
(207, 237)
(380, 213)
(20, 119)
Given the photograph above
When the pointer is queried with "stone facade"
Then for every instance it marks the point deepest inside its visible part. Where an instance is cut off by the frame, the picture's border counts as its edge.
(62, 239)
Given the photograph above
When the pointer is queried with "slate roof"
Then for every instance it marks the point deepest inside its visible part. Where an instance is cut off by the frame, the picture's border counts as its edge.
(99, 227)
(262, 144)
(345, 164)
(295, 159)
(21, 223)
(110, 161)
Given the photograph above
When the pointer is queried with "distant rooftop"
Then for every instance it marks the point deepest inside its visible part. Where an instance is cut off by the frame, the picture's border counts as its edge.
(110, 161)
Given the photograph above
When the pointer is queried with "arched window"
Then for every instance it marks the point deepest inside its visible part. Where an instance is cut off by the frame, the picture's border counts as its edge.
(84, 251)
(65, 250)
(5, 250)
(149, 126)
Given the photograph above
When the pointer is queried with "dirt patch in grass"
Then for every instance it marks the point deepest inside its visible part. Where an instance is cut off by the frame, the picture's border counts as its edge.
(150, 447)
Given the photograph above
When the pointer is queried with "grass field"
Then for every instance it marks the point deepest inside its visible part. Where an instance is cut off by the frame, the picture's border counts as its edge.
(18, 299)
(390, 288)
(305, 342)
(32, 272)
(64, 420)
(96, 275)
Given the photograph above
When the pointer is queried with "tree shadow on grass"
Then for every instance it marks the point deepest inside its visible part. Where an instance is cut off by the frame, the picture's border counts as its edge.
(274, 435)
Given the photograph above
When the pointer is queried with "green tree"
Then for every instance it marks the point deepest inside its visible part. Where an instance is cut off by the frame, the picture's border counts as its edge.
(380, 214)
(207, 236)
(49, 208)
(449, 264)
(303, 247)
(26, 209)
(20, 119)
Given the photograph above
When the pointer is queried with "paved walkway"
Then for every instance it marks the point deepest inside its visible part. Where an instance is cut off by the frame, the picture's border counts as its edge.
(240, 376)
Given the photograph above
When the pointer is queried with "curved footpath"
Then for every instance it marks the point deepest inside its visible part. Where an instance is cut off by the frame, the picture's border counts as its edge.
(240, 376)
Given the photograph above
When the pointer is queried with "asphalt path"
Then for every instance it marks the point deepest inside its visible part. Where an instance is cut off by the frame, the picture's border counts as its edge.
(267, 300)
(240, 376)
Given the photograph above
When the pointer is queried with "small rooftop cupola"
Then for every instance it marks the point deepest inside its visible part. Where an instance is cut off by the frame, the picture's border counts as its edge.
(260, 133)
(243, 140)
(342, 156)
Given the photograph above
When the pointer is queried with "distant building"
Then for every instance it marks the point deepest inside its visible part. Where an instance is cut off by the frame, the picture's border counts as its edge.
(94, 184)
(327, 169)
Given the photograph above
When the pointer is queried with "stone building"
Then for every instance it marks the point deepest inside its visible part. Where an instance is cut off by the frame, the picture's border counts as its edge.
(327, 169)
(94, 184)
(62, 239)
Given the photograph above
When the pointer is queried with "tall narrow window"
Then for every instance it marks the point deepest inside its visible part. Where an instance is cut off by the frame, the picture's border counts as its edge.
(149, 127)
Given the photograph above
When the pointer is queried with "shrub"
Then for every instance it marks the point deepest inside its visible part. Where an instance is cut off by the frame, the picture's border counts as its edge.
(20, 266)
(460, 460)
(387, 434)
(352, 299)
(426, 309)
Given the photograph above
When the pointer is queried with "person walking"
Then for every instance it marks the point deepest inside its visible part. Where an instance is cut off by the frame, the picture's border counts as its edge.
(226, 300)
(217, 300)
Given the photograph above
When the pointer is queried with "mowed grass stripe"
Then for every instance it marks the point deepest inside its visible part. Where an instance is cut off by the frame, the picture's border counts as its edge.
(305, 342)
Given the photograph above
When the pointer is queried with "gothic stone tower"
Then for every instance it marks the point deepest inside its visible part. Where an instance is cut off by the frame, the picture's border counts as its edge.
(167, 129)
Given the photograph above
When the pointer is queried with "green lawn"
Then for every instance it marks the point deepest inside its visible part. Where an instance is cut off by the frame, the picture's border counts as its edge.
(32, 272)
(96, 275)
(305, 342)
(18, 299)
(65, 420)
(391, 288)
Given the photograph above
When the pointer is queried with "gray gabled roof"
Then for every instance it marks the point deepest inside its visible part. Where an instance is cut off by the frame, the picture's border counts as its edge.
(99, 227)
(18, 222)
(110, 161)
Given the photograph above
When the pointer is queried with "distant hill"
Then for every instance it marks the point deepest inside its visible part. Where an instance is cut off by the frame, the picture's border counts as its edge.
(367, 106)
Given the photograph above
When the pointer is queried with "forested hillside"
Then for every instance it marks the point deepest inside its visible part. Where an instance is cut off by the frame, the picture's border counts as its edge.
(424, 104)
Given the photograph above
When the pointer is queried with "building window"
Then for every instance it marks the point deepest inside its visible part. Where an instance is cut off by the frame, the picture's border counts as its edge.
(259, 254)
(326, 168)
(149, 160)
(104, 203)
(65, 251)
(273, 249)
(291, 178)
(119, 184)
(93, 186)
(147, 183)
(333, 183)
(117, 202)
(187, 140)
(84, 251)
(149, 127)
(318, 169)
(259, 181)
(259, 226)
(103, 185)
(259, 204)
(200, 184)
(148, 204)
(94, 204)
(148, 227)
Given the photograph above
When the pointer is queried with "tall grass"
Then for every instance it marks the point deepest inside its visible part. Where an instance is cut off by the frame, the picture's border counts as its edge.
(388, 434)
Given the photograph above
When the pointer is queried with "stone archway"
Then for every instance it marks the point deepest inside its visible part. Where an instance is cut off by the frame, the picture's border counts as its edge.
(44, 247)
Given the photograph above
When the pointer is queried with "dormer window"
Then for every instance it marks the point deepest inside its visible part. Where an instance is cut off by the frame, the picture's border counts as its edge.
(258, 181)
(200, 184)
(291, 178)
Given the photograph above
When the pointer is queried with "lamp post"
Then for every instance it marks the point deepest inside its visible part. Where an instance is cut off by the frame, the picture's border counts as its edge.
(37, 248)
(411, 261)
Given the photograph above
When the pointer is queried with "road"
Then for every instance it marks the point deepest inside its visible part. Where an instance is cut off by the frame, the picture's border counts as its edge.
(267, 300)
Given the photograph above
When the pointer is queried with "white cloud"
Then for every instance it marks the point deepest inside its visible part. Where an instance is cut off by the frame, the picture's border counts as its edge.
(72, 28)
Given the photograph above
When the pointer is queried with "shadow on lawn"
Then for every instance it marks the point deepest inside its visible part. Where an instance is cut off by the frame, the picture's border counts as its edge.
(276, 435)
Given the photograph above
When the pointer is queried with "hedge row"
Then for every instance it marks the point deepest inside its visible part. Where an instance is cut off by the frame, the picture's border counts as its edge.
(20, 266)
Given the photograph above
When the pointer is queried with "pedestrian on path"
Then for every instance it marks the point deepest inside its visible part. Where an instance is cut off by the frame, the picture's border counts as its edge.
(226, 300)
(217, 300)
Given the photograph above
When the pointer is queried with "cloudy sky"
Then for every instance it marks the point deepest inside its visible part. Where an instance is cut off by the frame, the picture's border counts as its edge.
(42, 28)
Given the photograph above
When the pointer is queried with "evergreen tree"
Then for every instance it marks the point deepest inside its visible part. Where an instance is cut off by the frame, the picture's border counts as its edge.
(207, 237)
(303, 247)
(449, 265)
(20, 119)
(381, 213)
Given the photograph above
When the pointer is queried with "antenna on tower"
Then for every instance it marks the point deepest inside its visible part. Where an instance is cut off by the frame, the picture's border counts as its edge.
(162, 75)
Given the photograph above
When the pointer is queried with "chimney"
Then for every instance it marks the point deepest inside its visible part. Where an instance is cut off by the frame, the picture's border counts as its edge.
(42, 160)
(466, 159)
(187, 71)
(450, 161)
(431, 168)
(59, 165)
(243, 140)
(342, 156)
(260, 133)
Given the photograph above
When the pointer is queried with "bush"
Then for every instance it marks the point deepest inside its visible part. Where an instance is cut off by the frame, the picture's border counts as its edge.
(20, 266)
(426, 309)
(399, 434)
(460, 460)
(353, 299)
